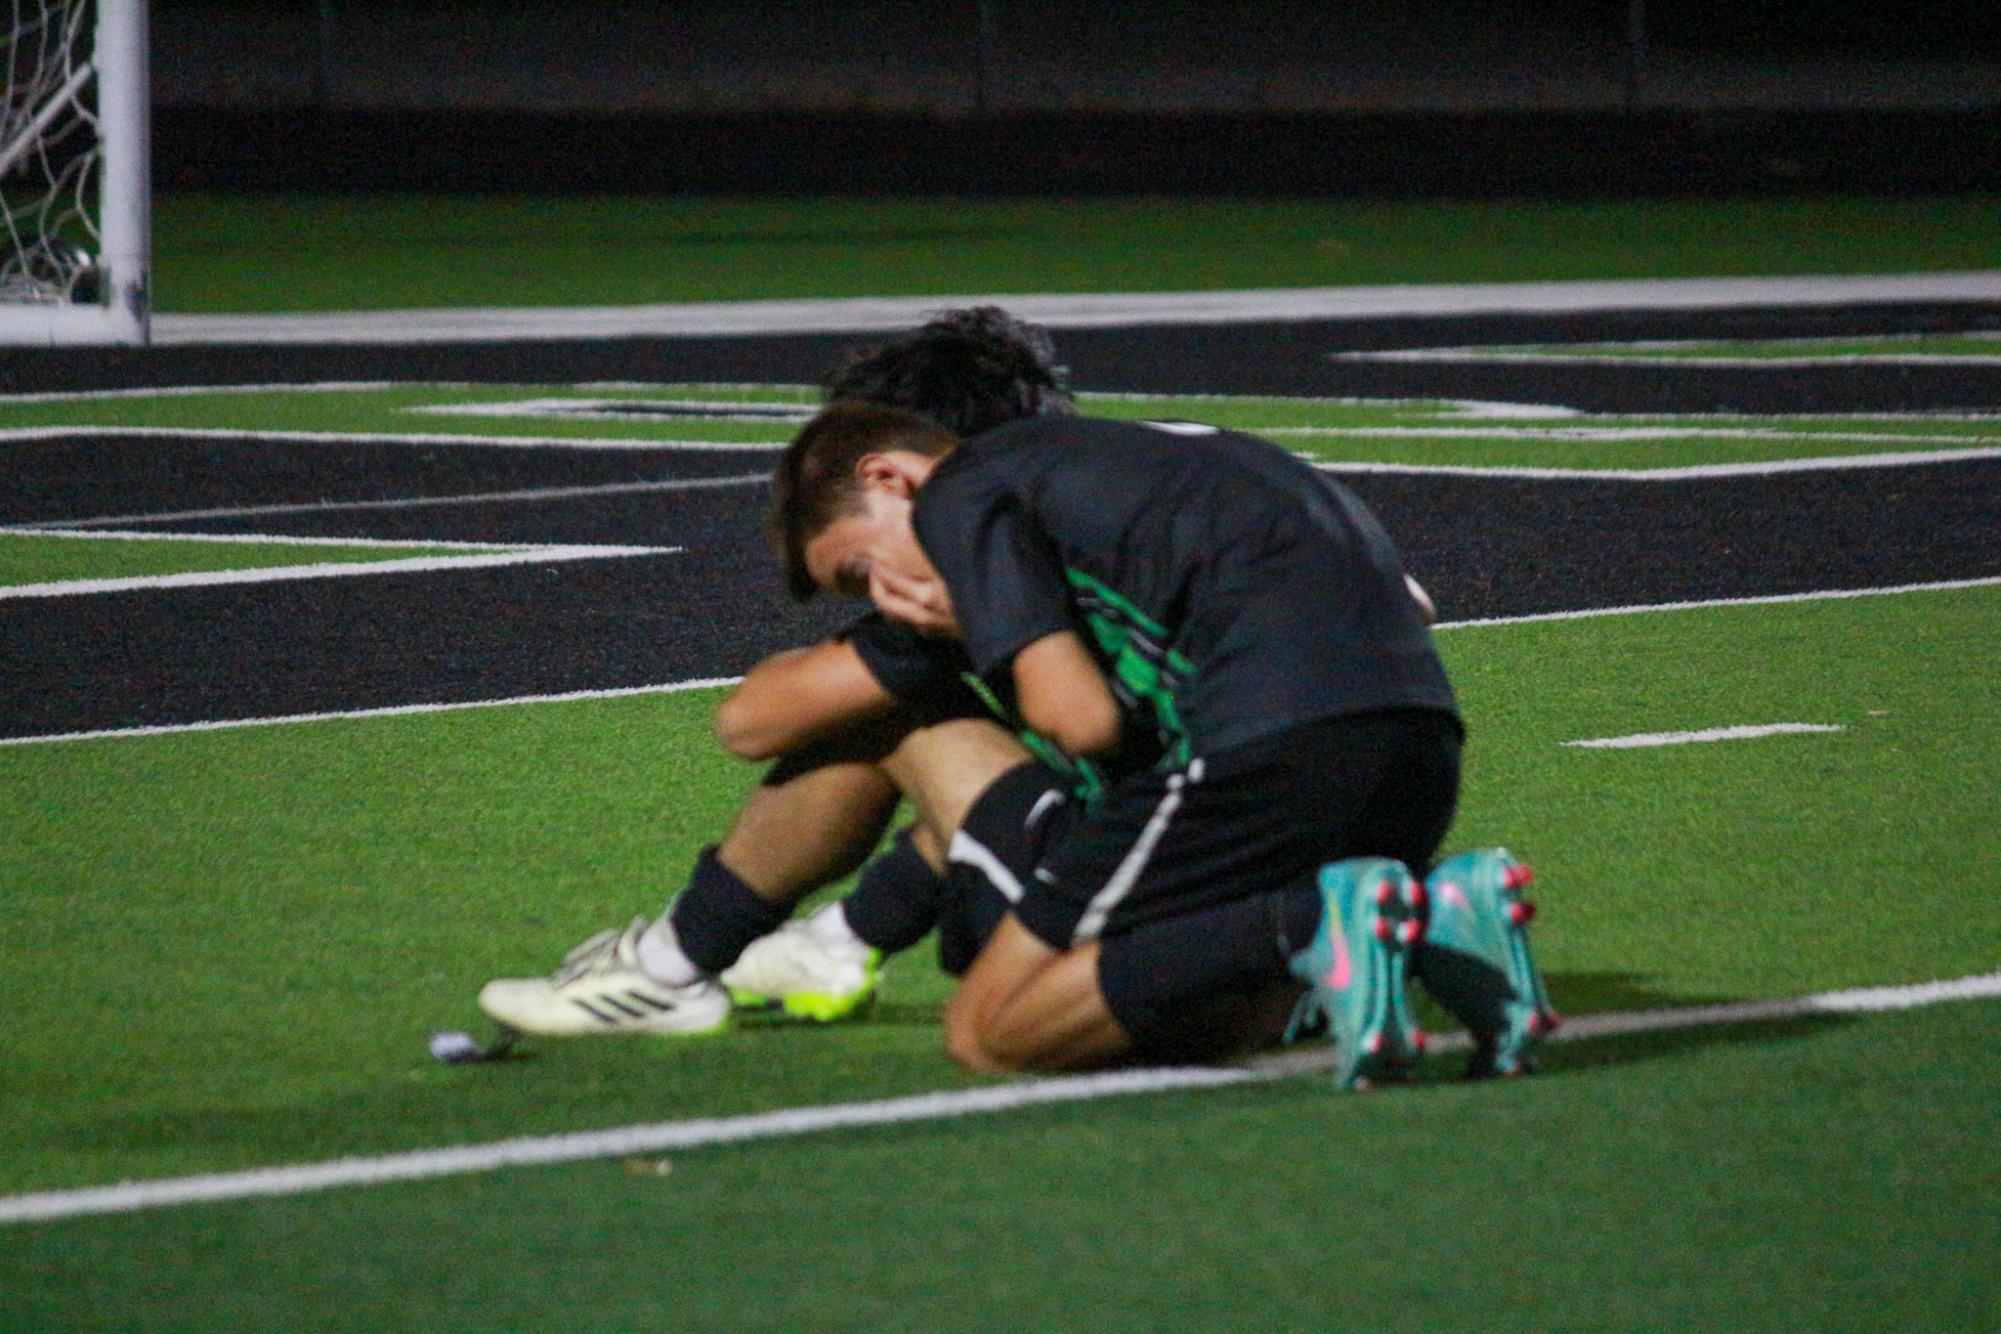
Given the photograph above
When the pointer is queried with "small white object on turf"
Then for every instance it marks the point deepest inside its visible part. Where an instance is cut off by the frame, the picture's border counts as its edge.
(600, 988)
(454, 1047)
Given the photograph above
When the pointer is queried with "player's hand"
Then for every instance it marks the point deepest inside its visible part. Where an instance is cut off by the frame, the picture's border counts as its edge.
(920, 602)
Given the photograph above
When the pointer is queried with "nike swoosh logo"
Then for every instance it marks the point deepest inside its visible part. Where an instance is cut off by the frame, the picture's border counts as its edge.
(1339, 974)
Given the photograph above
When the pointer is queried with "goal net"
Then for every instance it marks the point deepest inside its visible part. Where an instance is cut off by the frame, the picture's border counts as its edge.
(75, 250)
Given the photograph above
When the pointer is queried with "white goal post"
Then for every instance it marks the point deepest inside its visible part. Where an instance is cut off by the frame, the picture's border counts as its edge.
(75, 177)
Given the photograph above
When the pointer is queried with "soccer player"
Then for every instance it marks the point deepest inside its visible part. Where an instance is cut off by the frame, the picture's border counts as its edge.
(1247, 612)
(1247, 622)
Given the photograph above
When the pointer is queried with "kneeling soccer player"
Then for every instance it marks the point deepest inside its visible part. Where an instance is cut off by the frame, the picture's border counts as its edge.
(1249, 614)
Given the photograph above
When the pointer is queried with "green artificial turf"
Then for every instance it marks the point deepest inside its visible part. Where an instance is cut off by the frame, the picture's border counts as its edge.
(1830, 1176)
(37, 559)
(288, 910)
(252, 253)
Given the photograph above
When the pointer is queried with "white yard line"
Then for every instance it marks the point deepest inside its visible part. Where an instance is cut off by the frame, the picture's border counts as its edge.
(667, 1136)
(64, 588)
(192, 391)
(1474, 354)
(1070, 311)
(354, 386)
(415, 502)
(1749, 732)
(1768, 600)
(1692, 473)
(37, 434)
(601, 409)
(390, 711)
(1618, 434)
(167, 729)
(258, 539)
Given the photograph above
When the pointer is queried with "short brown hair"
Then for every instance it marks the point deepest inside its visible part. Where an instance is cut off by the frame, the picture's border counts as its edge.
(815, 482)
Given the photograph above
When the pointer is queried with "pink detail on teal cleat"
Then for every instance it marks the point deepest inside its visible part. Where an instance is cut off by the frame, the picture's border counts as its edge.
(1342, 972)
(1357, 967)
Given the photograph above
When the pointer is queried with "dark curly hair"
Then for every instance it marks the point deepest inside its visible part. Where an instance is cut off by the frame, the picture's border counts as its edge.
(969, 370)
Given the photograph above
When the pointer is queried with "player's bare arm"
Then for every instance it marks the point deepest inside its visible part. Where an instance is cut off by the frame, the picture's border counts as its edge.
(799, 696)
(1064, 696)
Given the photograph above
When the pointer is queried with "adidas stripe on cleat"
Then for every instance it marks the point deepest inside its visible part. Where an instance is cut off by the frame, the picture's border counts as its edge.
(1475, 960)
(1356, 970)
(600, 988)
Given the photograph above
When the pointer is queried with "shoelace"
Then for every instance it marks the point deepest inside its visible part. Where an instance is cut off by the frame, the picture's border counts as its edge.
(589, 956)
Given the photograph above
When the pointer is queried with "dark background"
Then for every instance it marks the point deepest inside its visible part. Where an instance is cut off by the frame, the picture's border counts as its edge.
(1371, 97)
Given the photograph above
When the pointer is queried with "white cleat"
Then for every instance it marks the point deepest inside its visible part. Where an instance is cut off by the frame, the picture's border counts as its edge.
(600, 988)
(805, 974)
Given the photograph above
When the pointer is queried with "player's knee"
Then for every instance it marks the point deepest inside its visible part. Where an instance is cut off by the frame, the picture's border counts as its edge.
(971, 1049)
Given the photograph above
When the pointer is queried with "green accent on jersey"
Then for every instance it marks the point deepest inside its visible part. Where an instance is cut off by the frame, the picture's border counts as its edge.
(1087, 784)
(1145, 670)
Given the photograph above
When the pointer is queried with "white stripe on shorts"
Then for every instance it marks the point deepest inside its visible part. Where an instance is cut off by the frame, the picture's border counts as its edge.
(969, 851)
(1128, 874)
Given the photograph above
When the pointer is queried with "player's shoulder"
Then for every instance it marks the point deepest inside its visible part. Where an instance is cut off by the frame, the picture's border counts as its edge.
(1034, 435)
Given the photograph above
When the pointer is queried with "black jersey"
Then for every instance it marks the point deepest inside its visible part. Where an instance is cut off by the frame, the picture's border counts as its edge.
(1229, 589)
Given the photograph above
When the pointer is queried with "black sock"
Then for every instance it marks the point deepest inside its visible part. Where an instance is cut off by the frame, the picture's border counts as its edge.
(1235, 948)
(897, 899)
(1299, 911)
(718, 914)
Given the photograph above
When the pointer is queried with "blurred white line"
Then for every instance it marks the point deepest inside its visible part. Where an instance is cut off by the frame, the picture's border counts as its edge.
(272, 574)
(428, 1164)
(389, 711)
(1746, 733)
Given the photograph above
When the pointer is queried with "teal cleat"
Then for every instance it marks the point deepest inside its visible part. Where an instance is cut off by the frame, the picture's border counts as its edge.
(1357, 969)
(1475, 959)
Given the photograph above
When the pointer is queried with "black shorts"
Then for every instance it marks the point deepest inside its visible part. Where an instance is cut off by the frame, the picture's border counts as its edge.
(1255, 818)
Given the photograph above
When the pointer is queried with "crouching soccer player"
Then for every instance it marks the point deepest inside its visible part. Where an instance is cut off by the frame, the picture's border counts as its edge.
(1248, 613)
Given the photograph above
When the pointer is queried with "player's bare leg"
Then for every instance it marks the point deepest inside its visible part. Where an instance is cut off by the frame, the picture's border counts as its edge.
(1026, 1006)
(1023, 1005)
(811, 822)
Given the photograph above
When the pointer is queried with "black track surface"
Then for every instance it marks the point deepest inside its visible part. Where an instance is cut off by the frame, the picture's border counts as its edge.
(1485, 546)
(1269, 357)
(69, 481)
